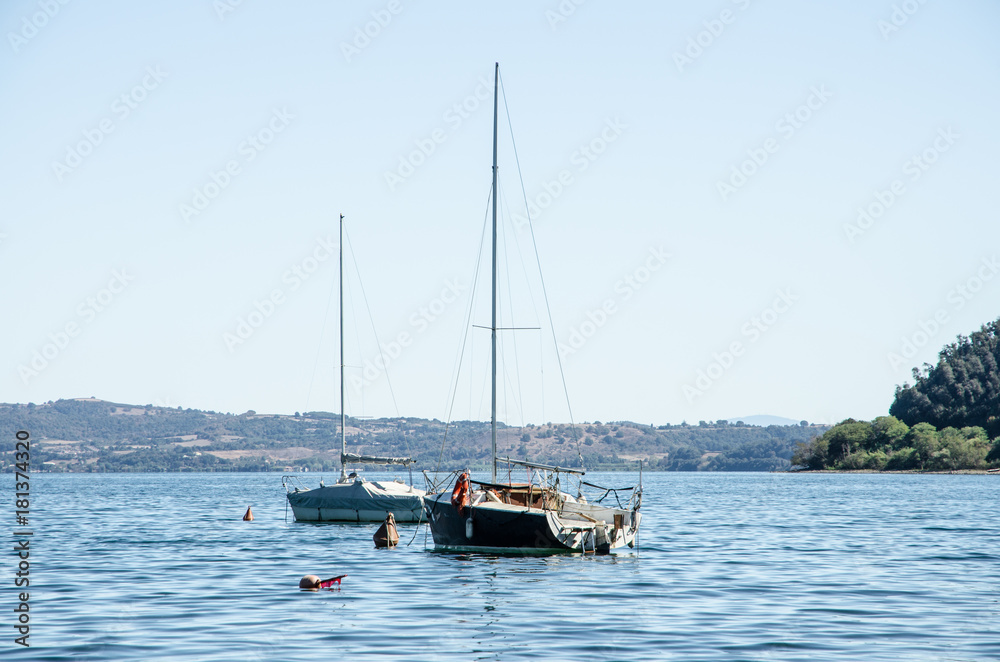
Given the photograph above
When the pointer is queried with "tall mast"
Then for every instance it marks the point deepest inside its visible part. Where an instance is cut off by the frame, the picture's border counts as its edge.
(493, 331)
(343, 417)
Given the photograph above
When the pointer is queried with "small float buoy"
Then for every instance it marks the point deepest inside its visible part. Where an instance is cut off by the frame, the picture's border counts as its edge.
(313, 582)
(387, 535)
(248, 517)
(309, 581)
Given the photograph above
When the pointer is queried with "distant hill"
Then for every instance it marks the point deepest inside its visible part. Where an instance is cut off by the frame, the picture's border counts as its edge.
(88, 435)
(764, 420)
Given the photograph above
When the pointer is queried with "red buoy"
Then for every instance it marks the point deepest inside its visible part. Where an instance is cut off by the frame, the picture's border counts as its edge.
(313, 582)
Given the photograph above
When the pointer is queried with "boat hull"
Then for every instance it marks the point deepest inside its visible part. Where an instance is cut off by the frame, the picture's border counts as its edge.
(303, 514)
(361, 501)
(502, 528)
(491, 529)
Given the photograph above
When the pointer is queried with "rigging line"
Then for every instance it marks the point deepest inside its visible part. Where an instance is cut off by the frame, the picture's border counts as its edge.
(508, 382)
(482, 391)
(347, 394)
(371, 319)
(456, 369)
(467, 329)
(510, 297)
(486, 374)
(517, 405)
(541, 278)
(524, 269)
(357, 341)
(472, 352)
(541, 364)
(381, 353)
(319, 345)
(534, 308)
(531, 295)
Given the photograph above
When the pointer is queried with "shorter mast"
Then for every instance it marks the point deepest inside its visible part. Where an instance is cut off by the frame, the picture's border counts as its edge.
(343, 417)
(346, 457)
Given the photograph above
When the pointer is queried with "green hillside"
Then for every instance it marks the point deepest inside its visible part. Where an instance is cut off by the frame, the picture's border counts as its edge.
(948, 420)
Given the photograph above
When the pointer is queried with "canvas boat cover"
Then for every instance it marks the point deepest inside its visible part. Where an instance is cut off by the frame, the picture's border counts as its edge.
(366, 495)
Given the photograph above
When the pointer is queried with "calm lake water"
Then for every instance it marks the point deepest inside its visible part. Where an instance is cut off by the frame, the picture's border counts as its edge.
(729, 567)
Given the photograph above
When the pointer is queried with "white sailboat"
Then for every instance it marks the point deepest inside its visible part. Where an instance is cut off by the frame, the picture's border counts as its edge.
(481, 516)
(351, 498)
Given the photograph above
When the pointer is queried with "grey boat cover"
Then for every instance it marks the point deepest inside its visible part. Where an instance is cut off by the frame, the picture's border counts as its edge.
(359, 495)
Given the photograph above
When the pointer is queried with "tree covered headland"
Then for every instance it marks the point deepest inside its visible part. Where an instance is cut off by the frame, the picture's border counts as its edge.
(962, 389)
(943, 422)
(888, 444)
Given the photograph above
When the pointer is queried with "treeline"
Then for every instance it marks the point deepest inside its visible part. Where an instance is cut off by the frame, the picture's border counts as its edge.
(888, 444)
(943, 422)
(963, 389)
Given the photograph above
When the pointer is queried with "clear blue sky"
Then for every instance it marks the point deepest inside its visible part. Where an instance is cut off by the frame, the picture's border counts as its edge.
(695, 291)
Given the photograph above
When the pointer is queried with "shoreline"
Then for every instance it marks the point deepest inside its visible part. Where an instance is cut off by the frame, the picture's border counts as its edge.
(987, 472)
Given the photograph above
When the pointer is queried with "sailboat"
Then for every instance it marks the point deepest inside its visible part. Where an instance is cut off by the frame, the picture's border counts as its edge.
(352, 498)
(498, 517)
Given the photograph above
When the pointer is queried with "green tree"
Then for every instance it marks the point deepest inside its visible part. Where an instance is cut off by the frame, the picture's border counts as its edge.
(902, 460)
(812, 455)
(923, 439)
(848, 436)
(888, 433)
(864, 460)
(961, 449)
(993, 457)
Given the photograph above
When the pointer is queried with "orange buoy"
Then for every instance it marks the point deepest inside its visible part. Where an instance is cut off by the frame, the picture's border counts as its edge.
(313, 582)
(460, 495)
(387, 536)
(248, 517)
